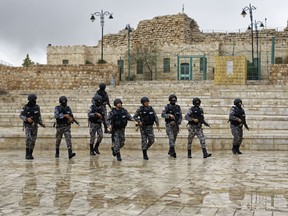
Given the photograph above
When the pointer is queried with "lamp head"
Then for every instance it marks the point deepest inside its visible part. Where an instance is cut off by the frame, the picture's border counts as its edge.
(92, 18)
(243, 13)
(111, 16)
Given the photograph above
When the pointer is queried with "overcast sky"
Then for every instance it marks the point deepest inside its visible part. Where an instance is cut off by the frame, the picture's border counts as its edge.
(28, 26)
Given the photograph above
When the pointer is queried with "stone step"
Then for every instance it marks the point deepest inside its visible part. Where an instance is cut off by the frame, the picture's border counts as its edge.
(252, 141)
(217, 121)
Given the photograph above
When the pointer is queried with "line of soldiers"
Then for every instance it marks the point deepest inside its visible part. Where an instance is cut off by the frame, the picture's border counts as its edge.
(116, 121)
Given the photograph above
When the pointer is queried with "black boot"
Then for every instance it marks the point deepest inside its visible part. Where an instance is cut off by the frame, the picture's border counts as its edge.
(145, 156)
(113, 152)
(31, 154)
(96, 148)
(105, 128)
(118, 156)
(92, 150)
(173, 153)
(170, 152)
(238, 150)
(71, 154)
(205, 153)
(27, 156)
(57, 153)
(189, 153)
(234, 149)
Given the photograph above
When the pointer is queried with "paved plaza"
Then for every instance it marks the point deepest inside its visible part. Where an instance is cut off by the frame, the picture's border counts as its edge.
(254, 183)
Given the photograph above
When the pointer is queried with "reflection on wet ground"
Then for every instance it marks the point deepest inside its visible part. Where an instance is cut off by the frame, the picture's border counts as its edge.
(254, 183)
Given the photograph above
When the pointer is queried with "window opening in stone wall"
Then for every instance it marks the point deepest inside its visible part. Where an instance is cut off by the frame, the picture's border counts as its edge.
(65, 61)
(278, 60)
(202, 62)
(140, 67)
(166, 65)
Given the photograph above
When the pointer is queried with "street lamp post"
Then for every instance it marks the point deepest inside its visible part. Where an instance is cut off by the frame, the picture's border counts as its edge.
(250, 8)
(129, 29)
(101, 14)
(256, 24)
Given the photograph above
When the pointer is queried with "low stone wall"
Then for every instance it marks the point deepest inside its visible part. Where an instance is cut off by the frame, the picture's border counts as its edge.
(279, 74)
(56, 76)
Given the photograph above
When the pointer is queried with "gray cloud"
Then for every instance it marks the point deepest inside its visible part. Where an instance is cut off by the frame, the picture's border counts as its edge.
(29, 26)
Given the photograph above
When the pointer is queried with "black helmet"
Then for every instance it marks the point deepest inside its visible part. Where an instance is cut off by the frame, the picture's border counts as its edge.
(144, 99)
(32, 97)
(116, 101)
(196, 100)
(237, 101)
(97, 100)
(172, 96)
(102, 86)
(63, 100)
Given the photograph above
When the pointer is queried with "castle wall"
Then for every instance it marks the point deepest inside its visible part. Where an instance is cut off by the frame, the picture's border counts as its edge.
(176, 35)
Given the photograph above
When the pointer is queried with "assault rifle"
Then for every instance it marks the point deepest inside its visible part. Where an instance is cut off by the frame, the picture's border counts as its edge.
(201, 120)
(244, 123)
(74, 120)
(36, 121)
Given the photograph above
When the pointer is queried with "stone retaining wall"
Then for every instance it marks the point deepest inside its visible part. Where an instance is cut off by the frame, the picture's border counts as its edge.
(56, 76)
(279, 74)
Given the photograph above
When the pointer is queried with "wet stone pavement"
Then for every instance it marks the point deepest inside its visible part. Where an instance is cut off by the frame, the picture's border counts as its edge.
(254, 183)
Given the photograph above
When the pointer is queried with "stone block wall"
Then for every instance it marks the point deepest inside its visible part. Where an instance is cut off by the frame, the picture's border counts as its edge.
(230, 70)
(56, 76)
(279, 74)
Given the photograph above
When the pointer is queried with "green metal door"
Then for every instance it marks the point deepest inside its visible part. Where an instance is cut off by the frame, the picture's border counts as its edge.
(184, 71)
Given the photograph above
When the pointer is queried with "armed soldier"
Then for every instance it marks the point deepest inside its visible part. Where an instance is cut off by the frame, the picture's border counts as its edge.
(195, 118)
(31, 117)
(64, 118)
(146, 117)
(117, 121)
(96, 115)
(237, 119)
(105, 101)
(173, 118)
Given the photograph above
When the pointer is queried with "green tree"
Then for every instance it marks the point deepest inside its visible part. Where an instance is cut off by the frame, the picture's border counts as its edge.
(27, 61)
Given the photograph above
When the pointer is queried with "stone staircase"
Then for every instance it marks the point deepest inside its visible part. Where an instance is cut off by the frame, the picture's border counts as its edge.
(265, 106)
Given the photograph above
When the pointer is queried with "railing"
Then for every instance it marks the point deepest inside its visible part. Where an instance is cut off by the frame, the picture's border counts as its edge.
(243, 30)
(5, 63)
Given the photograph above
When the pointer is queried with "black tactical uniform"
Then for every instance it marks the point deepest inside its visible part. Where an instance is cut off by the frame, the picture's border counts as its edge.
(146, 117)
(64, 118)
(96, 115)
(237, 119)
(31, 117)
(105, 101)
(173, 118)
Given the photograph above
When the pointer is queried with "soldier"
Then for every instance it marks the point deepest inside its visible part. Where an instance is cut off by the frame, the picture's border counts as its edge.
(173, 118)
(116, 121)
(237, 119)
(31, 117)
(96, 115)
(64, 119)
(105, 101)
(146, 117)
(195, 118)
